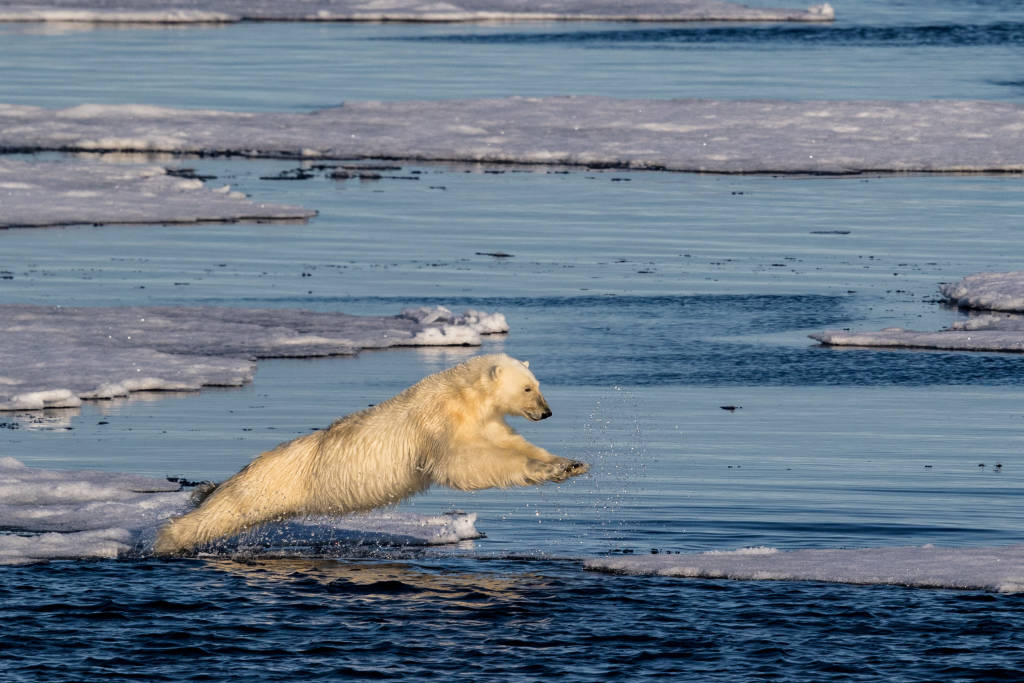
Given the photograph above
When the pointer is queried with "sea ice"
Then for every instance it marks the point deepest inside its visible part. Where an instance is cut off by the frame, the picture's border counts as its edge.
(41, 193)
(194, 11)
(988, 291)
(761, 136)
(55, 356)
(986, 332)
(68, 514)
(983, 568)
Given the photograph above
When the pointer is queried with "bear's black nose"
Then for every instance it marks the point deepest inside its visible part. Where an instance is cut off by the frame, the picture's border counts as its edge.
(545, 414)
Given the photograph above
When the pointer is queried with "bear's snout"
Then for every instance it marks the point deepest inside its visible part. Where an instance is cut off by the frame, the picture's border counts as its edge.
(539, 412)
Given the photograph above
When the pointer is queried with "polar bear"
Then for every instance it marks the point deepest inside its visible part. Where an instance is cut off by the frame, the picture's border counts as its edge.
(449, 428)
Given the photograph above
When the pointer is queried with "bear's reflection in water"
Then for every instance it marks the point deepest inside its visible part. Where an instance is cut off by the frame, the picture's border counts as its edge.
(382, 580)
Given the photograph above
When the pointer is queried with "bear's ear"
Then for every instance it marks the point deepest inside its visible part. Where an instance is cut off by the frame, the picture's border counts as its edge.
(495, 371)
(526, 363)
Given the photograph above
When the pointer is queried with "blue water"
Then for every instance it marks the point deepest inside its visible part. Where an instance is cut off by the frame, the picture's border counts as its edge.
(644, 301)
(877, 50)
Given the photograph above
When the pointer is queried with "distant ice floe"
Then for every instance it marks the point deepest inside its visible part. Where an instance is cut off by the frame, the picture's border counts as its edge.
(75, 514)
(40, 193)
(55, 356)
(998, 569)
(211, 11)
(721, 136)
(1003, 331)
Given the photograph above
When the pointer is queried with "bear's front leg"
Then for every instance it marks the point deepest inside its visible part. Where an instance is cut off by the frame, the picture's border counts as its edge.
(512, 463)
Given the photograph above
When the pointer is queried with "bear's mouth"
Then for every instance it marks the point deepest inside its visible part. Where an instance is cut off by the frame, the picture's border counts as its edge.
(537, 416)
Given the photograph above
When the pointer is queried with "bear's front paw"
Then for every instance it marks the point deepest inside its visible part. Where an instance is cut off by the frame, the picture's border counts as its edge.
(560, 469)
(576, 468)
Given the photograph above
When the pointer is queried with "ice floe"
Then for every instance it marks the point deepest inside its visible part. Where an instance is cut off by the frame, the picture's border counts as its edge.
(42, 193)
(71, 514)
(209, 11)
(54, 356)
(988, 291)
(1002, 331)
(719, 136)
(982, 568)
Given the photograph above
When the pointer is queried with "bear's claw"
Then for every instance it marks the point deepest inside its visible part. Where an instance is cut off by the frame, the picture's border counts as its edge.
(576, 467)
(558, 469)
(571, 468)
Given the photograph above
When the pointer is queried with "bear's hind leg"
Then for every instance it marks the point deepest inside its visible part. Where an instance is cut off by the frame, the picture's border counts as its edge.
(225, 512)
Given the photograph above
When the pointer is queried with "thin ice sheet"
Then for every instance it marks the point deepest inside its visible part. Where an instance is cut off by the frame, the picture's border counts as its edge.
(999, 330)
(74, 514)
(212, 11)
(719, 136)
(998, 569)
(55, 356)
(78, 191)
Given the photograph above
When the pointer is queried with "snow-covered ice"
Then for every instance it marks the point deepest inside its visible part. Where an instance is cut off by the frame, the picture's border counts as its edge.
(210, 11)
(54, 356)
(997, 331)
(756, 136)
(983, 568)
(68, 514)
(76, 191)
(988, 291)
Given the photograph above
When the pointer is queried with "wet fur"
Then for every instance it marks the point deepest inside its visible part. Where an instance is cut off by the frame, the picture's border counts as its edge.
(449, 429)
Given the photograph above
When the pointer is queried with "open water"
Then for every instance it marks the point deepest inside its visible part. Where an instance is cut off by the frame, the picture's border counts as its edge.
(644, 301)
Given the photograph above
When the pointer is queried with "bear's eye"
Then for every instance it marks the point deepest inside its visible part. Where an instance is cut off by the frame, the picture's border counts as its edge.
(528, 389)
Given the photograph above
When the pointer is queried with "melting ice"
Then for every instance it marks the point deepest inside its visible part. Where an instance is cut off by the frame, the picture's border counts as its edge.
(999, 330)
(192, 11)
(76, 191)
(55, 356)
(67, 514)
(994, 568)
(78, 514)
(680, 135)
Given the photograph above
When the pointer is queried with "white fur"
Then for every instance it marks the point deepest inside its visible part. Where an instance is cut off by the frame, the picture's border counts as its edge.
(449, 428)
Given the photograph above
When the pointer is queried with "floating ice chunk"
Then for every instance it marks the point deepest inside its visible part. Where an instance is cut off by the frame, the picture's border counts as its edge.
(446, 335)
(448, 329)
(102, 543)
(484, 323)
(39, 193)
(24, 485)
(679, 135)
(66, 514)
(58, 356)
(194, 11)
(989, 568)
(38, 400)
(1003, 338)
(991, 291)
(992, 332)
(41, 12)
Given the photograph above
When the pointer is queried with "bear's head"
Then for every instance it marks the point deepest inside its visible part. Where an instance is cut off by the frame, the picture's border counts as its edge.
(515, 390)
